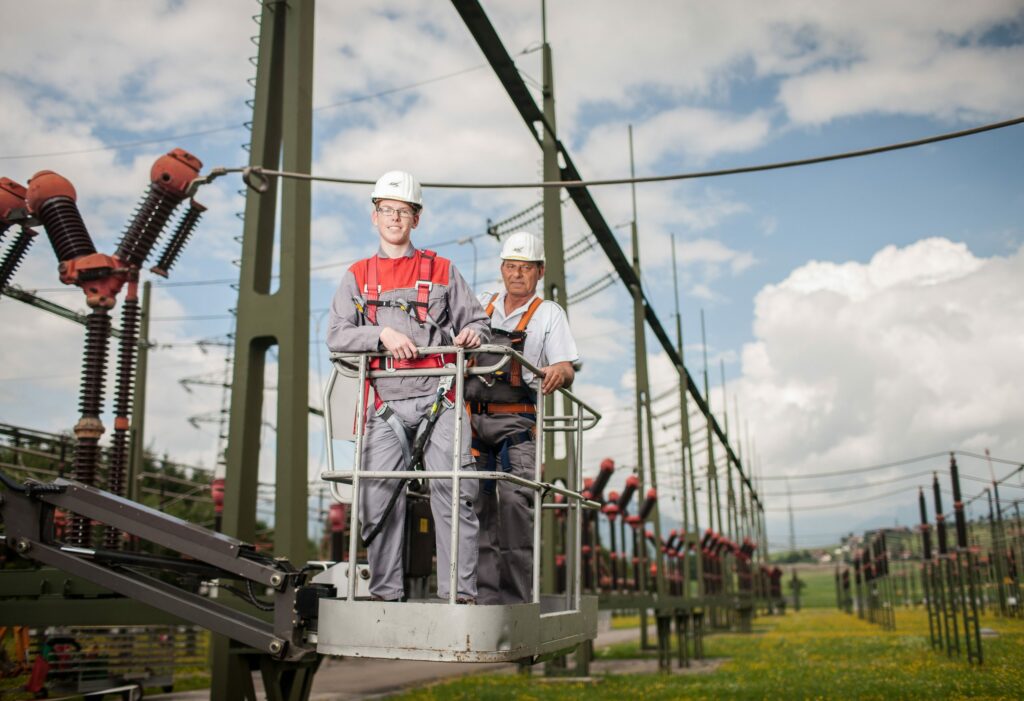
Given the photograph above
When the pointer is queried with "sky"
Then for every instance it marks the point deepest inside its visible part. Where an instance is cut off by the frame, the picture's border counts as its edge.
(861, 312)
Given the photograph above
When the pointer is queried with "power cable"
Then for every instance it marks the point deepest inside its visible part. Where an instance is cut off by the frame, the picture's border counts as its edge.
(848, 502)
(857, 470)
(261, 173)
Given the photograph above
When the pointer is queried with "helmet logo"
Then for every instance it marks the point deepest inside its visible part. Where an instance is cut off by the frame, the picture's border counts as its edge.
(396, 183)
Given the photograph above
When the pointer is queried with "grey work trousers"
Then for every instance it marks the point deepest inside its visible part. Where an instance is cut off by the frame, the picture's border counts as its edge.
(505, 511)
(382, 451)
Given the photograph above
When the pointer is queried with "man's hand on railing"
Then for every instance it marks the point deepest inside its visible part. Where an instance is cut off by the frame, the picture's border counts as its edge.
(400, 345)
(557, 376)
(467, 338)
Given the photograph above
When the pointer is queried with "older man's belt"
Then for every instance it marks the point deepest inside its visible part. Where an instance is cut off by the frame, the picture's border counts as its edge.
(502, 408)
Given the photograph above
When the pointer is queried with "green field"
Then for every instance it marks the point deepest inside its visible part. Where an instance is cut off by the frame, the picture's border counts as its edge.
(815, 654)
(819, 590)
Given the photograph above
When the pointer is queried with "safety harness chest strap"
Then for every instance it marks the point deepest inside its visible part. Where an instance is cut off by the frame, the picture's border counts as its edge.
(515, 368)
(372, 288)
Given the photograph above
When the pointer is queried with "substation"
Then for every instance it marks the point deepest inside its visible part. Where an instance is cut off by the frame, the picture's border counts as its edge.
(955, 571)
(103, 593)
(83, 554)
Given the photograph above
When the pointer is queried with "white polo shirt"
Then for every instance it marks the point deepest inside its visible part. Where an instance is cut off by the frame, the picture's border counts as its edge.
(548, 338)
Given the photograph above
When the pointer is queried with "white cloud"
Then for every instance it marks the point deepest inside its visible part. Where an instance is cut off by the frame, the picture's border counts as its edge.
(944, 85)
(907, 354)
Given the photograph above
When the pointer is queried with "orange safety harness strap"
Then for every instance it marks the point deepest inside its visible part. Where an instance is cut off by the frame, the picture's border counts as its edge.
(515, 369)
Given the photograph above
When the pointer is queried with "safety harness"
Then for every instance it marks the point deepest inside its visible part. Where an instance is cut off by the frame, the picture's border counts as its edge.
(412, 442)
(504, 386)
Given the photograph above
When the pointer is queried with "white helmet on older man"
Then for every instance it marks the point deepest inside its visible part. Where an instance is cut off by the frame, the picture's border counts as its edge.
(523, 245)
(398, 185)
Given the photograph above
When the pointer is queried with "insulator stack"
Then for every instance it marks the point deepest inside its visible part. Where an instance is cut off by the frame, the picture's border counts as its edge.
(146, 226)
(12, 198)
(632, 482)
(14, 255)
(940, 519)
(170, 177)
(128, 352)
(89, 427)
(601, 481)
(926, 533)
(648, 504)
(958, 504)
(186, 227)
(94, 364)
(51, 198)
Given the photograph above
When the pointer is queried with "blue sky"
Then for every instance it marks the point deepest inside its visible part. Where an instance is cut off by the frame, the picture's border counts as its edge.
(811, 279)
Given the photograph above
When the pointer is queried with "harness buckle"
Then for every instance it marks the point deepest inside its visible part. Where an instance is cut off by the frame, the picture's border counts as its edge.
(444, 387)
(389, 363)
(425, 283)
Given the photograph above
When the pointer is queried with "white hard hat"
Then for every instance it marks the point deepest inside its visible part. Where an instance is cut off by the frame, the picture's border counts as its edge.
(523, 245)
(398, 185)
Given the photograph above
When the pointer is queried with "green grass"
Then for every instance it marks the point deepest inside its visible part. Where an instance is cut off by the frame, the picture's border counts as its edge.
(819, 590)
(814, 654)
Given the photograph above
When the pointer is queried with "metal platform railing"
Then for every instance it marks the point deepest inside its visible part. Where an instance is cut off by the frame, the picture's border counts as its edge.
(583, 418)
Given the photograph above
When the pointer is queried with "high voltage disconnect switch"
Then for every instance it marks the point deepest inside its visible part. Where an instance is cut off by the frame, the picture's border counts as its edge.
(51, 201)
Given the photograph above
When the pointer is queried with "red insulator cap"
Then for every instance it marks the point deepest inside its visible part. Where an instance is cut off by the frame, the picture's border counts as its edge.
(633, 481)
(175, 171)
(337, 516)
(46, 185)
(217, 492)
(12, 196)
(607, 465)
(634, 520)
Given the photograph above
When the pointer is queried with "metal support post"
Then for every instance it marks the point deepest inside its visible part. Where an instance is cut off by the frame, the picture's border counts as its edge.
(281, 136)
(137, 435)
(554, 289)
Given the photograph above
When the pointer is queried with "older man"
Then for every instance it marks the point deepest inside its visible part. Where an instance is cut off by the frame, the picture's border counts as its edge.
(505, 421)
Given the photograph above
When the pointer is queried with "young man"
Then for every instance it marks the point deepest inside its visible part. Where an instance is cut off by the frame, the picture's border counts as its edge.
(400, 300)
(504, 417)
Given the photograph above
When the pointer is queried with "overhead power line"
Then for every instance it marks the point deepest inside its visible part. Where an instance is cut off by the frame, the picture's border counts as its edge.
(882, 466)
(856, 470)
(261, 173)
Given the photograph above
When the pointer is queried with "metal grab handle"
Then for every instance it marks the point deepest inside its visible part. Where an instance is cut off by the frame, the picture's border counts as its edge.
(344, 363)
(345, 477)
(349, 369)
(356, 365)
